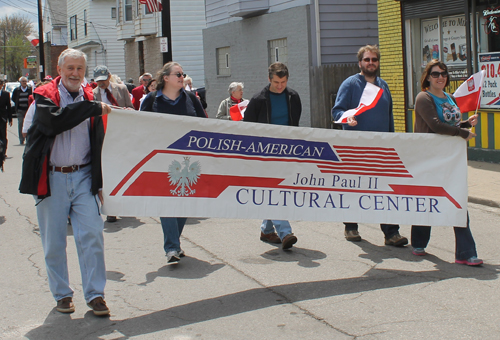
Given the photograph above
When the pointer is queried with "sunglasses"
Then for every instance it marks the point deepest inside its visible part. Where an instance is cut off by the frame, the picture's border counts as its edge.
(435, 74)
(367, 60)
(178, 74)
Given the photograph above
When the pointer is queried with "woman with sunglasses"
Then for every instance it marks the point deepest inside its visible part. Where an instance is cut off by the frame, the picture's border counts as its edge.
(437, 112)
(171, 97)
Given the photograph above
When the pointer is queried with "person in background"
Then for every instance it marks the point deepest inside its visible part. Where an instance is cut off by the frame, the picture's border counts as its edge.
(150, 87)
(280, 105)
(378, 118)
(235, 97)
(5, 117)
(20, 97)
(130, 85)
(437, 112)
(188, 85)
(138, 92)
(111, 93)
(28, 118)
(170, 97)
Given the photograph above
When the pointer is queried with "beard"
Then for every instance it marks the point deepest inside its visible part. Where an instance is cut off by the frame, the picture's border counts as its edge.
(369, 72)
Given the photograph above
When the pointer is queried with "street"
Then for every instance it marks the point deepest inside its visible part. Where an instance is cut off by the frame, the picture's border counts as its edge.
(231, 285)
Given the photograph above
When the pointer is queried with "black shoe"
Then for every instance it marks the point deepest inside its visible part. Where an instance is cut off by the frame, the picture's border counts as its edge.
(111, 219)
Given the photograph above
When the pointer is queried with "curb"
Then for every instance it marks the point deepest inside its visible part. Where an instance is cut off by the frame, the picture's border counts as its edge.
(484, 201)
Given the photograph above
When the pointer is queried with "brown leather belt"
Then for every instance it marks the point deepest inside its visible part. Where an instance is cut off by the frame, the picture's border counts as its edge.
(68, 169)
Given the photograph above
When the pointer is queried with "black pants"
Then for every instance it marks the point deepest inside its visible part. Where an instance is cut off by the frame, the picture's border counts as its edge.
(3, 134)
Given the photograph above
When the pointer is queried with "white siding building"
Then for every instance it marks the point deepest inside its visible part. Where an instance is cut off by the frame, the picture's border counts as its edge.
(141, 32)
(54, 23)
(92, 29)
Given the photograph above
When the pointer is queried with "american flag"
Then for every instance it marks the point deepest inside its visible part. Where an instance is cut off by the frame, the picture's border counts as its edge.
(153, 5)
(370, 161)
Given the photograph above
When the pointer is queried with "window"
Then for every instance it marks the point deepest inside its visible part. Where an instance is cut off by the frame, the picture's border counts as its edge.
(72, 28)
(85, 22)
(146, 10)
(113, 12)
(223, 55)
(441, 38)
(128, 10)
(278, 51)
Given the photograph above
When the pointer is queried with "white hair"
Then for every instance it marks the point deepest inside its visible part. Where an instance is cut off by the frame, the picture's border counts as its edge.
(72, 53)
(234, 86)
(23, 78)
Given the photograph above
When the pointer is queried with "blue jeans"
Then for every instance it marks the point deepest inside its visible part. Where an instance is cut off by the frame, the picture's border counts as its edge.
(465, 247)
(172, 230)
(71, 196)
(283, 228)
(389, 230)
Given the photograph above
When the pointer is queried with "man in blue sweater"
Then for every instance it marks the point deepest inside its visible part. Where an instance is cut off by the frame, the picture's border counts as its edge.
(379, 118)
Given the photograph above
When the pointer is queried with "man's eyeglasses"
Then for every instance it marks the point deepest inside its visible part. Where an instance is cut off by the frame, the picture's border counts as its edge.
(178, 74)
(367, 60)
(437, 74)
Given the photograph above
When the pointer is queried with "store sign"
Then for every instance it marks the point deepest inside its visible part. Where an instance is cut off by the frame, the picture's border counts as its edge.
(491, 17)
(452, 49)
(490, 62)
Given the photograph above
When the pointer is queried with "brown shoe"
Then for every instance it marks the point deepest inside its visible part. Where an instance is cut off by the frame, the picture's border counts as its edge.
(270, 238)
(98, 306)
(288, 241)
(396, 241)
(65, 305)
(352, 235)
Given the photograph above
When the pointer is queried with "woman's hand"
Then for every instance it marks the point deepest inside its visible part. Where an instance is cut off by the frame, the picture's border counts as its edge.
(351, 121)
(470, 136)
(473, 120)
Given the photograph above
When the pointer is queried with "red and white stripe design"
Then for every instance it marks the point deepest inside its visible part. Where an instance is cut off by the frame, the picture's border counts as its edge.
(369, 161)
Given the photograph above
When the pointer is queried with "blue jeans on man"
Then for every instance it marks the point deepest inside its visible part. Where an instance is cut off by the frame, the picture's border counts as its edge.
(71, 196)
(172, 230)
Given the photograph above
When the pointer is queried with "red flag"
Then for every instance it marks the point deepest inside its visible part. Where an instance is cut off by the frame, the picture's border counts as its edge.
(153, 5)
(237, 112)
(468, 95)
(33, 40)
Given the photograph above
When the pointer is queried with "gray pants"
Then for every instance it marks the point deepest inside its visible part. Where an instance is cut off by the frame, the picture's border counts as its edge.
(20, 122)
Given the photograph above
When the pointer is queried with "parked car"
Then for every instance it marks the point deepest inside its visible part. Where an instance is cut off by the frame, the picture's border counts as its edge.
(9, 87)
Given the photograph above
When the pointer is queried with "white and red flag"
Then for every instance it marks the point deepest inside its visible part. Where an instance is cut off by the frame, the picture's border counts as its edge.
(237, 112)
(33, 40)
(369, 99)
(153, 5)
(468, 95)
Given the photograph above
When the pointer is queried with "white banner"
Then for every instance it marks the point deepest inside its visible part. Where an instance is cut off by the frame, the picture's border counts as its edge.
(169, 165)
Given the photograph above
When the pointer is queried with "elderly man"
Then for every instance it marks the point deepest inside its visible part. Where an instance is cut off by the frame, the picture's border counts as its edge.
(20, 97)
(378, 118)
(5, 116)
(62, 169)
(111, 94)
(138, 92)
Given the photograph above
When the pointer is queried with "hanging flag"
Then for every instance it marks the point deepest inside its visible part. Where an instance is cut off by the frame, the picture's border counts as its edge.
(153, 5)
(237, 112)
(33, 40)
(369, 99)
(468, 95)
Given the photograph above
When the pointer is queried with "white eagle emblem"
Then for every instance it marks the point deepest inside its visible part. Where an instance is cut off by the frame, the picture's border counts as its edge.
(184, 177)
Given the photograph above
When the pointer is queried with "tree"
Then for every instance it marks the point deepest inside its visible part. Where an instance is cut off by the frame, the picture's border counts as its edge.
(15, 46)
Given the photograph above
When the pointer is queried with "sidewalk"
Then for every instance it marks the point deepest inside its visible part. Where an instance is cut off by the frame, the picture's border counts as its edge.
(484, 183)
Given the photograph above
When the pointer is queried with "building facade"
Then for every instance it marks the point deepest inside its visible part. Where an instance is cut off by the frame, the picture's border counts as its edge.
(141, 30)
(464, 34)
(244, 37)
(92, 29)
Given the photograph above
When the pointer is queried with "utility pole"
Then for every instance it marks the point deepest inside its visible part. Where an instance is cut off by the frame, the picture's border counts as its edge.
(41, 52)
(4, 51)
(166, 29)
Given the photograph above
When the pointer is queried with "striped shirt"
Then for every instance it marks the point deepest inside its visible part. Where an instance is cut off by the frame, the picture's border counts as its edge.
(72, 147)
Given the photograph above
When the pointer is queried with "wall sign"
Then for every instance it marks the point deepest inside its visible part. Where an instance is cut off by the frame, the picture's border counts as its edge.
(490, 62)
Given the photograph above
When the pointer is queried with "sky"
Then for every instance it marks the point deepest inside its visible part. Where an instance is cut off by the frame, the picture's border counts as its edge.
(26, 8)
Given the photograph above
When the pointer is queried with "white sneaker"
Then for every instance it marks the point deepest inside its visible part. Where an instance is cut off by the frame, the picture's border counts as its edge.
(173, 256)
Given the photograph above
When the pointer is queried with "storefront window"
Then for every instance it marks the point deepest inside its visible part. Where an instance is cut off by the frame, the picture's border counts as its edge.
(441, 38)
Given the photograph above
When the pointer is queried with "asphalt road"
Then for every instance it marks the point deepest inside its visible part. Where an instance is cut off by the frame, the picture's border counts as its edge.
(233, 286)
